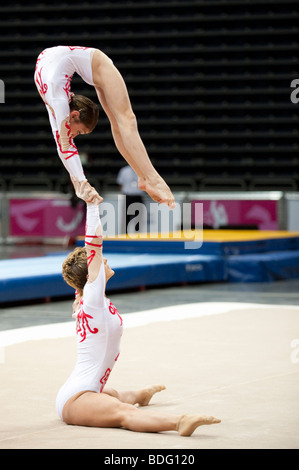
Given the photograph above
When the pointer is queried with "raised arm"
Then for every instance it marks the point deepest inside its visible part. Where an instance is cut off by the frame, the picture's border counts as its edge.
(93, 241)
(94, 289)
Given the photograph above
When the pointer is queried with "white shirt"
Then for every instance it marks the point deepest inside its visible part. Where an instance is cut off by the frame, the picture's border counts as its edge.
(128, 179)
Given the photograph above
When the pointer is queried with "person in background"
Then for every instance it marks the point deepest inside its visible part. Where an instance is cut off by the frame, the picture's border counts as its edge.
(128, 185)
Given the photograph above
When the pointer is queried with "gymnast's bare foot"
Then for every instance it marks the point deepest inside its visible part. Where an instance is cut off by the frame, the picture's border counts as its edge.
(158, 190)
(188, 423)
(145, 395)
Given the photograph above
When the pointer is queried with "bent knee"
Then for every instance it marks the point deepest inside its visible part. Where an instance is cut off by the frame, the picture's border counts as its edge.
(111, 391)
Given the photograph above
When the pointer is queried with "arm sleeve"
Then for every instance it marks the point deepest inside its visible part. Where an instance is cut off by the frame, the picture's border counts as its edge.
(94, 289)
(66, 148)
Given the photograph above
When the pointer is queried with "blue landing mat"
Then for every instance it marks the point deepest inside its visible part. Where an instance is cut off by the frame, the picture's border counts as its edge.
(35, 278)
(263, 267)
(156, 263)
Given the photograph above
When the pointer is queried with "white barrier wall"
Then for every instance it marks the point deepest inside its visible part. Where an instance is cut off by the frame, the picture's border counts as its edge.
(292, 211)
(51, 215)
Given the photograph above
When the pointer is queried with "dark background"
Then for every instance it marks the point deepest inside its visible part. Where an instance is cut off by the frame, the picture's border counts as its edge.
(209, 82)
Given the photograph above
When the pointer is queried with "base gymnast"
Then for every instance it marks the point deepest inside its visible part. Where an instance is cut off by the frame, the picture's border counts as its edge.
(71, 115)
(84, 399)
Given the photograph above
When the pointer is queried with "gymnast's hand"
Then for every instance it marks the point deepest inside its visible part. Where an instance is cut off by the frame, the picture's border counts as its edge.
(85, 191)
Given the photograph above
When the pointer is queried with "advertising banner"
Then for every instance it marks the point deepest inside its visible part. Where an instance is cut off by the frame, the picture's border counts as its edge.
(222, 213)
(45, 218)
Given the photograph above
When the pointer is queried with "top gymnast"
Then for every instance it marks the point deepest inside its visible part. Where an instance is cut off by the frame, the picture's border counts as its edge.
(71, 115)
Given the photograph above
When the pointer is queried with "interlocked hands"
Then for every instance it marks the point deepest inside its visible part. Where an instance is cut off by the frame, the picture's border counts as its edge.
(85, 191)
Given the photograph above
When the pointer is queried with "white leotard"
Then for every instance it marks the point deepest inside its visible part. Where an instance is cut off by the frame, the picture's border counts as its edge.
(99, 326)
(54, 70)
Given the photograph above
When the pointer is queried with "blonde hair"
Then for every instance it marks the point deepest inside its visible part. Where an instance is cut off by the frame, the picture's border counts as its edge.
(89, 111)
(75, 269)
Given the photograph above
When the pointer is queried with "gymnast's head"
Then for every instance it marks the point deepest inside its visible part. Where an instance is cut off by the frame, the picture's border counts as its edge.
(75, 269)
(84, 115)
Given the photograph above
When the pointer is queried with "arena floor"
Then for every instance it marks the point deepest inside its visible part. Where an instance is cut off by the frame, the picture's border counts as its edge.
(229, 350)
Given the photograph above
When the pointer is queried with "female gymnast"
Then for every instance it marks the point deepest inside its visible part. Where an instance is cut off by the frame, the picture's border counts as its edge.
(71, 115)
(84, 399)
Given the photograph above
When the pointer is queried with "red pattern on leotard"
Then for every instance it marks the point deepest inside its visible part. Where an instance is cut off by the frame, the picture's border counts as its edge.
(113, 310)
(43, 87)
(104, 379)
(90, 257)
(98, 245)
(82, 325)
(73, 151)
(67, 87)
(77, 47)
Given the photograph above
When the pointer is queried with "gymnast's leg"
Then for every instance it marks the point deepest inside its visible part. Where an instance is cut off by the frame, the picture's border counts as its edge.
(103, 410)
(136, 397)
(113, 96)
